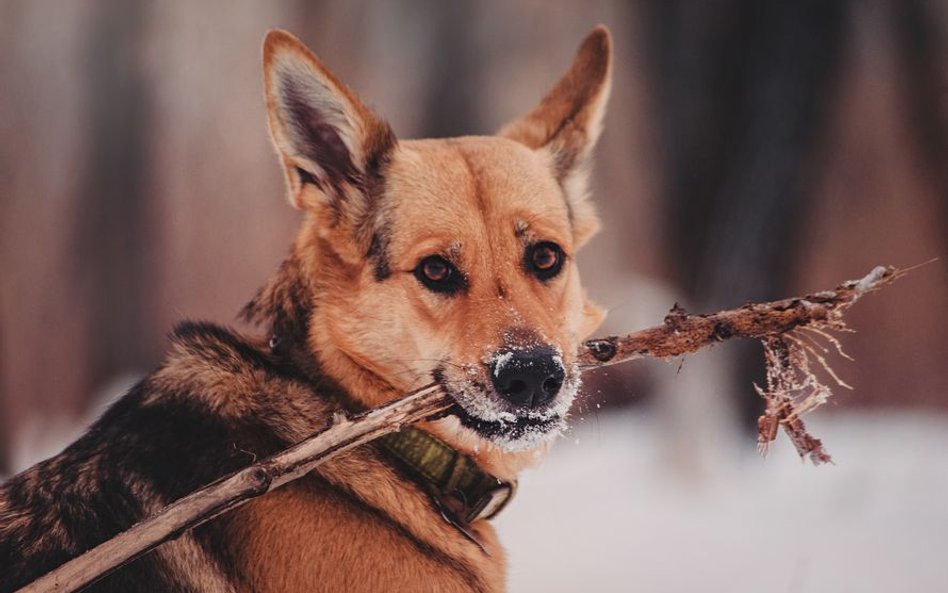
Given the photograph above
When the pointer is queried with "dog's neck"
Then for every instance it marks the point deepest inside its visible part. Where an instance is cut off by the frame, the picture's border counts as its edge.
(283, 306)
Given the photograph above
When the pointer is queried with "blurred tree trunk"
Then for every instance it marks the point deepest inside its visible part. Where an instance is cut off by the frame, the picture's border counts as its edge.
(6, 427)
(453, 105)
(112, 238)
(42, 111)
(6, 156)
(923, 64)
(743, 92)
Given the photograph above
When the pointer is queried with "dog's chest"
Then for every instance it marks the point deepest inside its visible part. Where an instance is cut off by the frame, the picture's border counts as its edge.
(312, 536)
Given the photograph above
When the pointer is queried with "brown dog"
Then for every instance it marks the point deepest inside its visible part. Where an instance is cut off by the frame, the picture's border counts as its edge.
(450, 259)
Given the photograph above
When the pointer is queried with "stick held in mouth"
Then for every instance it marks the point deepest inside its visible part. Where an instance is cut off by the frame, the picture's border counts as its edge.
(794, 332)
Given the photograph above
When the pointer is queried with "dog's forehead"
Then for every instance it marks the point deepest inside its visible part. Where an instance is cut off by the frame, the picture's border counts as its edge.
(447, 184)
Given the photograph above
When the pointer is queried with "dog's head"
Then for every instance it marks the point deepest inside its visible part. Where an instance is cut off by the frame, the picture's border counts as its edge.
(451, 259)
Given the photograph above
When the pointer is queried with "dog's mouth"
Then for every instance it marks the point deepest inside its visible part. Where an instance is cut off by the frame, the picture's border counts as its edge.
(510, 432)
(478, 409)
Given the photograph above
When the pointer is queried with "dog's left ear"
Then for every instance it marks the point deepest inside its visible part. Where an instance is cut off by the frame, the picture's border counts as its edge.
(567, 123)
(330, 143)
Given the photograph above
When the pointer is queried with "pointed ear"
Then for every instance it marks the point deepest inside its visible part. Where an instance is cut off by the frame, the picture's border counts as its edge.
(567, 123)
(329, 142)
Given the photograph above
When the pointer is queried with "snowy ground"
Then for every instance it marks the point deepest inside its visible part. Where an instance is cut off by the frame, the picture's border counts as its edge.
(601, 513)
(616, 507)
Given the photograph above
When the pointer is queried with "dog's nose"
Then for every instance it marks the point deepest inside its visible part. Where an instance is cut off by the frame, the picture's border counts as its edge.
(528, 378)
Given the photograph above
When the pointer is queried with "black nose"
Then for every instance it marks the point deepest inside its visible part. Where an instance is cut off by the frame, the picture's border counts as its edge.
(528, 378)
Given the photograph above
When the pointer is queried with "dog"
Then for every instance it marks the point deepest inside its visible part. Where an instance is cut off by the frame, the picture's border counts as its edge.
(450, 260)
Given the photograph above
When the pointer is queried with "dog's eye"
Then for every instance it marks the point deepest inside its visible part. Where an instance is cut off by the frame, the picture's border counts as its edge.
(439, 275)
(544, 260)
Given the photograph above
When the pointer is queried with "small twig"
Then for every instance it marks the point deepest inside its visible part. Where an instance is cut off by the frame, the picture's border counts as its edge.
(681, 333)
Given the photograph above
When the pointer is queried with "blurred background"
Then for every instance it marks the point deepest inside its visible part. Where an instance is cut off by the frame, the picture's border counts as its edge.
(753, 149)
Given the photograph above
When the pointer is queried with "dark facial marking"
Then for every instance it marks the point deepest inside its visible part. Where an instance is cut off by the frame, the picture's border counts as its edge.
(378, 253)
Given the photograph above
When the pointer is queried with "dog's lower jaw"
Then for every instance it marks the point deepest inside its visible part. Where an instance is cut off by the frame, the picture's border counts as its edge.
(516, 433)
(505, 443)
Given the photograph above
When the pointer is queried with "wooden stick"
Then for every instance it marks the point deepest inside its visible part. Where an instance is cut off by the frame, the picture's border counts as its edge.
(681, 333)
(234, 490)
(684, 333)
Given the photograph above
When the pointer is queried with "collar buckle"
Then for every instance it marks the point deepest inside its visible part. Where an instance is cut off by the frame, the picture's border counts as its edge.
(455, 483)
(491, 502)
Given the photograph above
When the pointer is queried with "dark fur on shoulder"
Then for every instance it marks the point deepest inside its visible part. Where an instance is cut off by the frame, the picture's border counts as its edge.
(161, 441)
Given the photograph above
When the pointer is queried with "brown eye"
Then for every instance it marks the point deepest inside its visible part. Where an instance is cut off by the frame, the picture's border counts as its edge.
(544, 260)
(439, 275)
(435, 269)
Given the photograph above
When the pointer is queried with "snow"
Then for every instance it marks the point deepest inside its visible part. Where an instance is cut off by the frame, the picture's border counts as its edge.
(501, 362)
(604, 512)
(614, 507)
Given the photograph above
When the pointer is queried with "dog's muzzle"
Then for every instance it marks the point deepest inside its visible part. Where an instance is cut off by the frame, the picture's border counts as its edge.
(517, 398)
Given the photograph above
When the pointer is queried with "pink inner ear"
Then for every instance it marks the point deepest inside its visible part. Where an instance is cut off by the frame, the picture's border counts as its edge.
(313, 137)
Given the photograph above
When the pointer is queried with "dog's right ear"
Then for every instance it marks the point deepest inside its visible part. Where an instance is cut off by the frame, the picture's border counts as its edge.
(567, 123)
(329, 142)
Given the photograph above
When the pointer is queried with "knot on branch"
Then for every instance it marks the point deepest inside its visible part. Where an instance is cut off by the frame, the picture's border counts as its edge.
(722, 331)
(676, 317)
(603, 349)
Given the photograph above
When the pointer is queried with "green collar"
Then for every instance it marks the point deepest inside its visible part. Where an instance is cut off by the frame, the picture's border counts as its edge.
(461, 491)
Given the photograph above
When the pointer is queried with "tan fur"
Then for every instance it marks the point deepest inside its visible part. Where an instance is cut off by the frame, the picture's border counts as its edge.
(376, 554)
(479, 198)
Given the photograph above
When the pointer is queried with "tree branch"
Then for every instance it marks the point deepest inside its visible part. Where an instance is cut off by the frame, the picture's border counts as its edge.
(791, 390)
(684, 333)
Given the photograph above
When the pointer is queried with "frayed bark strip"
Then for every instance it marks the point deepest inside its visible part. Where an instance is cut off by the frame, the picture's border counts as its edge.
(789, 393)
(792, 390)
